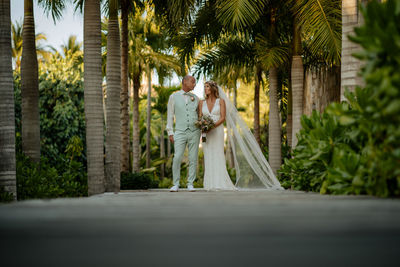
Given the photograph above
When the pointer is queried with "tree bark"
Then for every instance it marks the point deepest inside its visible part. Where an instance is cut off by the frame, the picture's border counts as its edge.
(113, 75)
(256, 123)
(124, 89)
(351, 17)
(135, 127)
(94, 115)
(30, 87)
(289, 119)
(297, 77)
(235, 94)
(321, 87)
(148, 117)
(274, 127)
(7, 116)
(162, 148)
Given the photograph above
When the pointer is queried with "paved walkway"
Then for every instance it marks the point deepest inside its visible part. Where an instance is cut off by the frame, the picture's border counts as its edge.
(158, 228)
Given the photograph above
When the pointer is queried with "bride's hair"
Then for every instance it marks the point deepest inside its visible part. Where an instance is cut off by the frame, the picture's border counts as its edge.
(214, 89)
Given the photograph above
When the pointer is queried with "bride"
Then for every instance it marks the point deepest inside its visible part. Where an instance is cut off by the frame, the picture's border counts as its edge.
(215, 173)
(252, 169)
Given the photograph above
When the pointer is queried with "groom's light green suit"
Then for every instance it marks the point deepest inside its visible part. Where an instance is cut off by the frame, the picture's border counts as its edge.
(183, 106)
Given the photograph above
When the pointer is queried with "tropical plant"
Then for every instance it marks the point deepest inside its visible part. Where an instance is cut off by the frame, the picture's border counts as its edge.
(42, 180)
(353, 147)
(318, 23)
(145, 54)
(61, 106)
(140, 180)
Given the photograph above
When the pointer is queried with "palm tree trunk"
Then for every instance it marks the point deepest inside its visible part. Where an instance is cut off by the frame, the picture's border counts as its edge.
(30, 87)
(321, 87)
(168, 148)
(124, 89)
(351, 18)
(94, 115)
(289, 119)
(297, 77)
(148, 124)
(135, 127)
(162, 148)
(274, 129)
(113, 136)
(235, 94)
(256, 124)
(7, 117)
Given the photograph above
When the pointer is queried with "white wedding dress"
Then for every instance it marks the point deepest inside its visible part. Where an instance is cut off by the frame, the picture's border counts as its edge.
(216, 176)
(252, 169)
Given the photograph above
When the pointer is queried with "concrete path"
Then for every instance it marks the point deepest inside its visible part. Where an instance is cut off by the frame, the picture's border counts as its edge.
(158, 228)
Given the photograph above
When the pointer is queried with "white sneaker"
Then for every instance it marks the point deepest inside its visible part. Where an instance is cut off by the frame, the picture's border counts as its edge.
(191, 188)
(174, 188)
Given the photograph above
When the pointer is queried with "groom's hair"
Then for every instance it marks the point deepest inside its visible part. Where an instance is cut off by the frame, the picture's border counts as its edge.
(187, 77)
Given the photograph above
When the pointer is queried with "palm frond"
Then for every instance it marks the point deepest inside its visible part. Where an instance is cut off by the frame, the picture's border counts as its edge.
(233, 52)
(321, 24)
(271, 55)
(55, 7)
(176, 12)
(205, 29)
(238, 14)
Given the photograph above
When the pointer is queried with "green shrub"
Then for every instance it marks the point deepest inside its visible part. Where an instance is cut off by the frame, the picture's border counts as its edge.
(354, 147)
(5, 196)
(45, 181)
(165, 183)
(140, 180)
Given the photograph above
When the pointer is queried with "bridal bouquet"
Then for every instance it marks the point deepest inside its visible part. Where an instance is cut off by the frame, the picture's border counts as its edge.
(205, 124)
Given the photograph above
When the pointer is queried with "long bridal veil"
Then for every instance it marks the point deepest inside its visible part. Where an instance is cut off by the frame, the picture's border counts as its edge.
(252, 169)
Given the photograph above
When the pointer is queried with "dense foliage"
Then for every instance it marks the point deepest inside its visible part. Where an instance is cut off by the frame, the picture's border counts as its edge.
(62, 171)
(140, 180)
(46, 181)
(354, 147)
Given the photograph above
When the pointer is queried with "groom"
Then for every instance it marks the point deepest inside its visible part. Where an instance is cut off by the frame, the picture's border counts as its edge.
(183, 106)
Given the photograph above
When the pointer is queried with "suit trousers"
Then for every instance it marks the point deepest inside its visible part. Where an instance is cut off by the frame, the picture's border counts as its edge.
(181, 139)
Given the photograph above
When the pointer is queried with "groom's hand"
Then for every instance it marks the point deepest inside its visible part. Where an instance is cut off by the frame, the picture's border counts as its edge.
(171, 138)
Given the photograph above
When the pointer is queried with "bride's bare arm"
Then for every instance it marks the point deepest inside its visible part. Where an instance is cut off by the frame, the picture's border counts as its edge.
(222, 113)
(199, 109)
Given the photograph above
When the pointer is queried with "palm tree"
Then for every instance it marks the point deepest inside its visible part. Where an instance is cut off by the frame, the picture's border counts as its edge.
(29, 79)
(148, 117)
(127, 7)
(144, 52)
(317, 23)
(93, 96)
(7, 123)
(72, 46)
(125, 4)
(113, 136)
(297, 76)
(274, 127)
(30, 87)
(350, 65)
(256, 121)
(72, 50)
(317, 20)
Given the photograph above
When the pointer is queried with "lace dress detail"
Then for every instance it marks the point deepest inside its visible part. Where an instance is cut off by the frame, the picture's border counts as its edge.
(216, 176)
